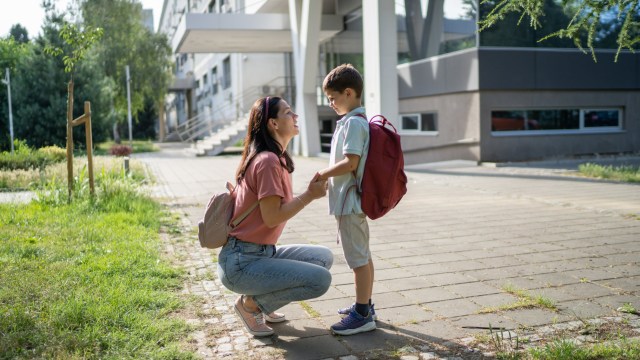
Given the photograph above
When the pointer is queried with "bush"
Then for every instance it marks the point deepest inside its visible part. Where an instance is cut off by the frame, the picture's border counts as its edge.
(54, 153)
(120, 150)
(25, 158)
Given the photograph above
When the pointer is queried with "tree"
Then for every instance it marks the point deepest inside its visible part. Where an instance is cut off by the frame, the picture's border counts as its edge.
(40, 94)
(510, 31)
(19, 33)
(128, 42)
(586, 24)
(12, 53)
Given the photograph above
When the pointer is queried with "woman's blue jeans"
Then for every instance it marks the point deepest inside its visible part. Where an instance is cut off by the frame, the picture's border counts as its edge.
(275, 275)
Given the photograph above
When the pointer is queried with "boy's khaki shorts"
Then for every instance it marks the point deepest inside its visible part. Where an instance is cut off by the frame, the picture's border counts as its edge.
(354, 237)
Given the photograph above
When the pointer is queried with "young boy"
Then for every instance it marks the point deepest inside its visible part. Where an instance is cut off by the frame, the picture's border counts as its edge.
(349, 146)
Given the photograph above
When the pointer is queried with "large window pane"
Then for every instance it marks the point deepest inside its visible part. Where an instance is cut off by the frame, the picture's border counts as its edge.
(428, 122)
(553, 119)
(599, 118)
(410, 122)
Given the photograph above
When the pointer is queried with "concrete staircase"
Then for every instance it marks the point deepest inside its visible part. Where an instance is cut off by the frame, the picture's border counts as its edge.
(215, 143)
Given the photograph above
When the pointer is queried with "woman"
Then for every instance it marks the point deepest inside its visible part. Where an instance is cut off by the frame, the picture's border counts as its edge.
(270, 277)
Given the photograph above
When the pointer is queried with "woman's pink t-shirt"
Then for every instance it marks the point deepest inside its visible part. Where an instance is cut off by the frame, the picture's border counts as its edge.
(265, 176)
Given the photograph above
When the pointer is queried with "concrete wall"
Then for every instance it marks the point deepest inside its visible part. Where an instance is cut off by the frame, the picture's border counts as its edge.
(449, 73)
(532, 146)
(458, 134)
(560, 69)
(464, 87)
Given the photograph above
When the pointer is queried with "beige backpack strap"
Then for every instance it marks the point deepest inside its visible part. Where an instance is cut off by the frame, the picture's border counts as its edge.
(235, 222)
(242, 216)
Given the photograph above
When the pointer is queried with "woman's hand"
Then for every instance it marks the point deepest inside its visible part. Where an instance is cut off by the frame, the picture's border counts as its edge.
(317, 188)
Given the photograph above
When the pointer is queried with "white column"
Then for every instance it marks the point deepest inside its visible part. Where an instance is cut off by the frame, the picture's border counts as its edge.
(305, 16)
(380, 33)
(434, 26)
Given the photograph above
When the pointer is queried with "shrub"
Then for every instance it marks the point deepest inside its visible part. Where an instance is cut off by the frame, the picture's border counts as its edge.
(25, 158)
(54, 153)
(120, 150)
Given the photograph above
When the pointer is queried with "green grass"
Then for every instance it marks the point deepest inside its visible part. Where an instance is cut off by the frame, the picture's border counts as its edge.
(86, 280)
(139, 146)
(525, 301)
(34, 179)
(313, 313)
(617, 173)
(568, 350)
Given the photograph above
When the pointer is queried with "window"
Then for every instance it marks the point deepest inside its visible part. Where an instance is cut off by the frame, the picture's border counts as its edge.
(555, 120)
(214, 80)
(226, 68)
(205, 83)
(426, 122)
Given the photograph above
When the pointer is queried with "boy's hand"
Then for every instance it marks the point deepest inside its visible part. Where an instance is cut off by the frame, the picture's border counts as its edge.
(321, 176)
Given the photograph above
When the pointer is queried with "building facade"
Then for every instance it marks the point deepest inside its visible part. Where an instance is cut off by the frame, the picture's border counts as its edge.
(453, 93)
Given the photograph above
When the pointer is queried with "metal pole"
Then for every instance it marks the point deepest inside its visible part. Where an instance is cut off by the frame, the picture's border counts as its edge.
(129, 107)
(7, 81)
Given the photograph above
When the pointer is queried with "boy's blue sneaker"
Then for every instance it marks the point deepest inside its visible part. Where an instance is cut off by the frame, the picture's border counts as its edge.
(345, 311)
(354, 323)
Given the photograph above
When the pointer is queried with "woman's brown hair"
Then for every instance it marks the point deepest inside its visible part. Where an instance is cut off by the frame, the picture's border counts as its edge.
(258, 138)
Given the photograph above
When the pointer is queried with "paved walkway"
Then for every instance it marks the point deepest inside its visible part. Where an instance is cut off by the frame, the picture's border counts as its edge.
(460, 236)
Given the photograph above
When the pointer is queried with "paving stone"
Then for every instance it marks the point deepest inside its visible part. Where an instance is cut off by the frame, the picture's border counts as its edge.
(434, 331)
(427, 269)
(448, 279)
(318, 347)
(495, 300)
(615, 301)
(472, 289)
(461, 266)
(410, 283)
(385, 338)
(593, 274)
(404, 314)
(390, 300)
(301, 328)
(535, 317)
(454, 308)
(554, 279)
(425, 296)
(587, 290)
(484, 322)
(583, 309)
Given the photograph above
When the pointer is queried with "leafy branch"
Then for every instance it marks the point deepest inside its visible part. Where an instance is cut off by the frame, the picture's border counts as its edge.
(586, 19)
(80, 41)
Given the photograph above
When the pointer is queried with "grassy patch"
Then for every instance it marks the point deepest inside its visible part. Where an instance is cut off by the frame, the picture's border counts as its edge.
(525, 301)
(309, 310)
(593, 340)
(86, 279)
(570, 350)
(618, 173)
(34, 179)
(629, 309)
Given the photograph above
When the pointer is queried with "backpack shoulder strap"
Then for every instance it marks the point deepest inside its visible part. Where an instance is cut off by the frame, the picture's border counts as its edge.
(242, 216)
(235, 222)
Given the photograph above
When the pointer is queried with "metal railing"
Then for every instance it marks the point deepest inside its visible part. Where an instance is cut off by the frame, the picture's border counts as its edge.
(204, 124)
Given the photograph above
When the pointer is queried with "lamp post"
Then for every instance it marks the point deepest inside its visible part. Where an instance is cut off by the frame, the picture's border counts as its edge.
(129, 107)
(7, 81)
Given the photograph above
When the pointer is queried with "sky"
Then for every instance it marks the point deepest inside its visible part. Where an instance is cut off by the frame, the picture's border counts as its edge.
(29, 13)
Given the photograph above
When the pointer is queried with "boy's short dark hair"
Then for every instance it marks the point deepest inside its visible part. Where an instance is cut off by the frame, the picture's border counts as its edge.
(342, 77)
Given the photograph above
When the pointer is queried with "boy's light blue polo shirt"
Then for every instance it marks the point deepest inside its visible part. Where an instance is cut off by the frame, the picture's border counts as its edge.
(350, 137)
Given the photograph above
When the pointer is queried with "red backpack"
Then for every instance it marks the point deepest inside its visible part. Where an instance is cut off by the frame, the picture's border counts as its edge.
(384, 182)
